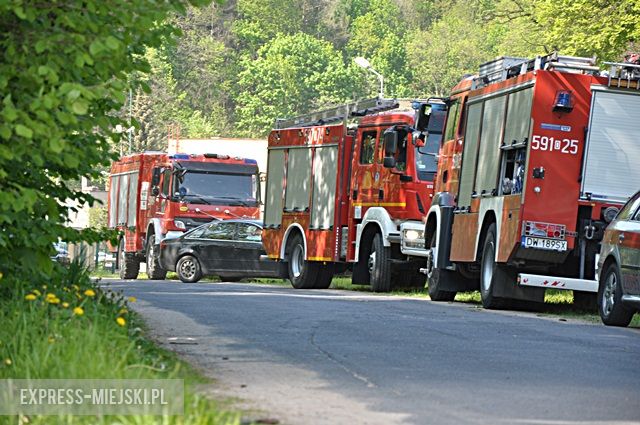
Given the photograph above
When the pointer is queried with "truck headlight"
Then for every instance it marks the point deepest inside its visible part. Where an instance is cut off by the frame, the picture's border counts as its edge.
(412, 238)
(180, 224)
(411, 235)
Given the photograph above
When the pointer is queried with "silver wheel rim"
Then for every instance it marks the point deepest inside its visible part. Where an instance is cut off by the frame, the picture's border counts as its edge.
(150, 254)
(608, 294)
(188, 269)
(371, 262)
(487, 268)
(297, 260)
(429, 267)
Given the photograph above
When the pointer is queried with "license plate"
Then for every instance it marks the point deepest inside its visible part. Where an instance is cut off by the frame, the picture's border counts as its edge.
(541, 243)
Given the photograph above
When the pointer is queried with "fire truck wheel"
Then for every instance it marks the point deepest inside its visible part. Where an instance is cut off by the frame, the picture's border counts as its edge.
(302, 273)
(154, 270)
(379, 265)
(612, 311)
(437, 278)
(492, 274)
(188, 269)
(129, 264)
(325, 276)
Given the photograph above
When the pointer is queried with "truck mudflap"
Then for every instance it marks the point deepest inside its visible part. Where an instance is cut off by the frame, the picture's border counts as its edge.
(555, 282)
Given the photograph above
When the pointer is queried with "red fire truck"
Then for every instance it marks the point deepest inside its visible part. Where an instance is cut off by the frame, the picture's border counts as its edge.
(153, 196)
(339, 194)
(537, 158)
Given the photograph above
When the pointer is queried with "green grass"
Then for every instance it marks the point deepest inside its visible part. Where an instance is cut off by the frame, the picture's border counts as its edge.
(556, 303)
(42, 338)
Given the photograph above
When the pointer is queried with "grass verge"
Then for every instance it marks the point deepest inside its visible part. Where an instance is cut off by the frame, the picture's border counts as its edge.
(68, 328)
(556, 303)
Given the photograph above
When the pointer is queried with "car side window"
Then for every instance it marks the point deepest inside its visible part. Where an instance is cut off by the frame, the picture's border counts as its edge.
(197, 233)
(249, 232)
(220, 231)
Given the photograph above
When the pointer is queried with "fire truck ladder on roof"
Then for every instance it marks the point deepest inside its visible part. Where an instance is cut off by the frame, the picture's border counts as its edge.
(339, 113)
(507, 67)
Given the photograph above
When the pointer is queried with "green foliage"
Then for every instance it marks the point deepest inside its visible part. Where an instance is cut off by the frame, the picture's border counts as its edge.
(223, 77)
(64, 74)
(292, 74)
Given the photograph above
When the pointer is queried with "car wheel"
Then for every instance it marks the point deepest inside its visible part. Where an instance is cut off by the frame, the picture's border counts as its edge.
(188, 269)
(436, 278)
(154, 270)
(379, 265)
(303, 274)
(492, 274)
(128, 262)
(612, 311)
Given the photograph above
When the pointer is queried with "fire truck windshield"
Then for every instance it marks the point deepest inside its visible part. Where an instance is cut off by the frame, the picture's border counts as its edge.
(216, 188)
(426, 161)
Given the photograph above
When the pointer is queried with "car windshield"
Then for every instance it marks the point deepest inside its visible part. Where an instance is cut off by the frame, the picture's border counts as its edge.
(216, 188)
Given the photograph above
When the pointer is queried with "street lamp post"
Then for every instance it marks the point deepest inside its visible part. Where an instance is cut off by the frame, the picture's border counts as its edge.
(364, 63)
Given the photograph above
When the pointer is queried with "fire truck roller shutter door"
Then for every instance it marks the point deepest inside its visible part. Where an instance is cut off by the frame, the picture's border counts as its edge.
(113, 201)
(298, 179)
(468, 172)
(133, 200)
(275, 183)
(489, 150)
(611, 169)
(324, 187)
(123, 196)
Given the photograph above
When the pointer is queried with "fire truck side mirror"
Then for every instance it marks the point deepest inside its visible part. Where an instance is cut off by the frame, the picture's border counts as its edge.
(390, 142)
(155, 191)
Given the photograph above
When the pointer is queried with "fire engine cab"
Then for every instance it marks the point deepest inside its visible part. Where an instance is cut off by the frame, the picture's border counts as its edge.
(153, 196)
(537, 158)
(337, 194)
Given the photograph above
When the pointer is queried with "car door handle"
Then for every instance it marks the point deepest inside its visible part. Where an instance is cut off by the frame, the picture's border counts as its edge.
(621, 237)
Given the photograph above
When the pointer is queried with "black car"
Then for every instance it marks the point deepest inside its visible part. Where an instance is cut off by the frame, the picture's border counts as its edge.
(230, 249)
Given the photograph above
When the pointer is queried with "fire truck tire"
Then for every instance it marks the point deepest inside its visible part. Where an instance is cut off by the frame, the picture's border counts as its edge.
(154, 269)
(379, 265)
(303, 274)
(188, 269)
(438, 278)
(612, 311)
(325, 276)
(492, 274)
(128, 263)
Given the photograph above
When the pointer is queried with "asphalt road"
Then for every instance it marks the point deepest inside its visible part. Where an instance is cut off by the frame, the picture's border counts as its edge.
(338, 357)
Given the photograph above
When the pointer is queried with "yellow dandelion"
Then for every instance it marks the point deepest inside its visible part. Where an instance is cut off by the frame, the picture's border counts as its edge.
(30, 297)
(90, 293)
(54, 300)
(8, 362)
(121, 321)
(65, 305)
(132, 299)
(50, 295)
(78, 311)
